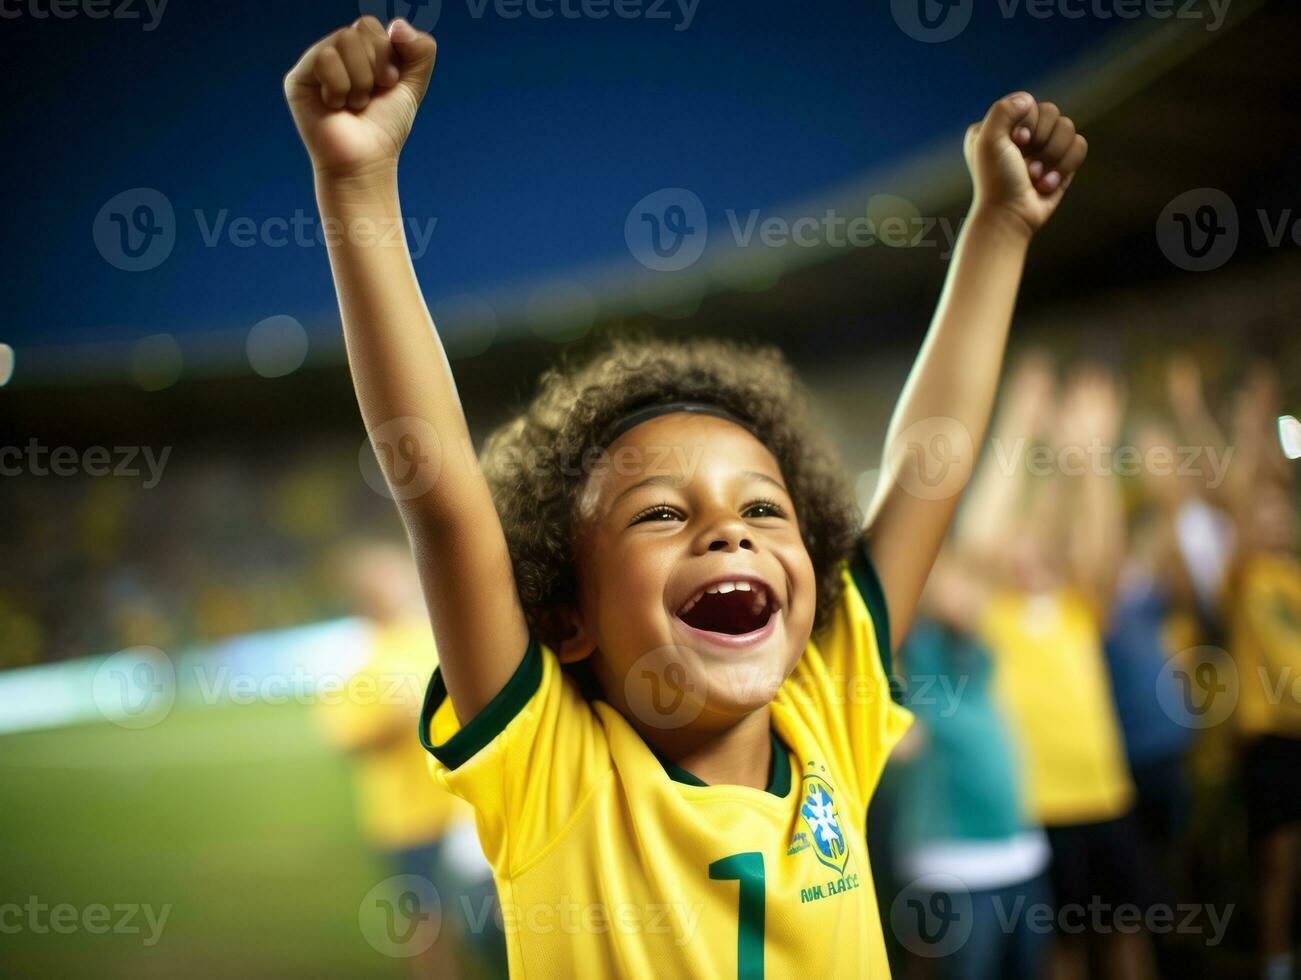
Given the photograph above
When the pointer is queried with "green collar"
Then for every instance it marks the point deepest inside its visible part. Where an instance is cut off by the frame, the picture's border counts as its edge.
(779, 783)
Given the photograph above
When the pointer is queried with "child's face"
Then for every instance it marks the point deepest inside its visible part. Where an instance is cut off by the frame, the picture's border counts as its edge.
(683, 504)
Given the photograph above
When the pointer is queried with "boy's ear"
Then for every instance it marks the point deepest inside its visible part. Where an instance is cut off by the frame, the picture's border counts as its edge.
(577, 641)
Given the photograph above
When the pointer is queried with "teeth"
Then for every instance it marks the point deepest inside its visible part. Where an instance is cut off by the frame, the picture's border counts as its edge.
(722, 588)
(758, 603)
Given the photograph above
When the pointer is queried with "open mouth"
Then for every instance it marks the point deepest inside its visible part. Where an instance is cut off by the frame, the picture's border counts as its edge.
(730, 608)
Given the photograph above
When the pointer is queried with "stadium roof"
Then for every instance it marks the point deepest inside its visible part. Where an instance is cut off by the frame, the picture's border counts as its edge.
(528, 164)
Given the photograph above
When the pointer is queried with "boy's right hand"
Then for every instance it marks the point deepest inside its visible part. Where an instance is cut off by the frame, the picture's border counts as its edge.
(354, 95)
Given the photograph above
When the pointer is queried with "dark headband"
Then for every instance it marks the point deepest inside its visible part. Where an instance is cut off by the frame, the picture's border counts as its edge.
(636, 417)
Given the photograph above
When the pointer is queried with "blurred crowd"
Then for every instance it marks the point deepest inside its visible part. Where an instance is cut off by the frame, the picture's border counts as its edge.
(228, 541)
(1105, 774)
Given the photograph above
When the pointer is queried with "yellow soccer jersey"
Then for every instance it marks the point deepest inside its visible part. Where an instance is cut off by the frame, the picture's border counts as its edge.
(398, 804)
(1265, 637)
(1051, 673)
(610, 863)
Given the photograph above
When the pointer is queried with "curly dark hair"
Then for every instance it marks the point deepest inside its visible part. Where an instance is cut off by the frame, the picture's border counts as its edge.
(579, 399)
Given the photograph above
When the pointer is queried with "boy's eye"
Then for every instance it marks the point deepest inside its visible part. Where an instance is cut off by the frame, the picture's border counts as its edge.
(667, 512)
(765, 508)
(660, 512)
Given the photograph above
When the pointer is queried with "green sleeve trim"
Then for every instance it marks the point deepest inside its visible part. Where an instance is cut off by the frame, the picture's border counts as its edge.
(868, 583)
(491, 721)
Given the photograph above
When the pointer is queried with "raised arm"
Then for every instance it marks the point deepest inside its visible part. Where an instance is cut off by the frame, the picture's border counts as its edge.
(1258, 460)
(1022, 157)
(354, 96)
(1095, 530)
(992, 508)
(1196, 424)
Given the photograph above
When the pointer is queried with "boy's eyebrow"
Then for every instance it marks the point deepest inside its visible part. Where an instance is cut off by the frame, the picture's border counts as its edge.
(665, 480)
(756, 475)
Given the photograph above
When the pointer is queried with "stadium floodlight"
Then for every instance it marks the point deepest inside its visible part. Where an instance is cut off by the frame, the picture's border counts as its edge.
(1289, 434)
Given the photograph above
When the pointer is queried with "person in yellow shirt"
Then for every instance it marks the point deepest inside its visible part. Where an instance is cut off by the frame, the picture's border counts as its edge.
(1264, 605)
(1263, 615)
(416, 826)
(1264, 591)
(662, 634)
(1050, 549)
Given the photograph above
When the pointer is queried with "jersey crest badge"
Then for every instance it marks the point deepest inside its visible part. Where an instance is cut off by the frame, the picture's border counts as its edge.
(819, 812)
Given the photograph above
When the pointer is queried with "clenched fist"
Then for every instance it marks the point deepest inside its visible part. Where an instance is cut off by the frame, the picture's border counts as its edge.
(1022, 156)
(354, 95)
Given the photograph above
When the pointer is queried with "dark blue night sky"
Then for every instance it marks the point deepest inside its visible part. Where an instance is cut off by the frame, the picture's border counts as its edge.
(536, 138)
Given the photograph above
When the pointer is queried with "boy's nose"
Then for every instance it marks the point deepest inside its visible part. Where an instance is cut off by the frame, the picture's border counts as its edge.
(730, 538)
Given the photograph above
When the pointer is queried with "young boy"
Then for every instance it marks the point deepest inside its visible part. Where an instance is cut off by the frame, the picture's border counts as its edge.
(670, 768)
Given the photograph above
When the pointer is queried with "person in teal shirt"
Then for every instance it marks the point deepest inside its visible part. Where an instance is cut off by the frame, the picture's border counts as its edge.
(966, 845)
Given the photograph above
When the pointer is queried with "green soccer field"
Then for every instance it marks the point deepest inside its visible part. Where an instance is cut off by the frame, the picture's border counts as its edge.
(235, 820)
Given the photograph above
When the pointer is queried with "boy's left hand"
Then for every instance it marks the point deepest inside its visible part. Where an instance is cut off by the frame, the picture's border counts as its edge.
(1022, 156)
